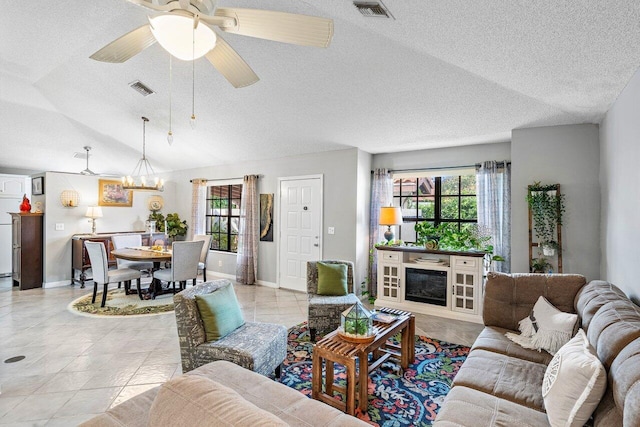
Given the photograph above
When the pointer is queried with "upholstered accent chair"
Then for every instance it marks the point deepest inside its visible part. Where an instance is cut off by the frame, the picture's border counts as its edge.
(184, 264)
(257, 346)
(202, 265)
(324, 311)
(103, 276)
(122, 241)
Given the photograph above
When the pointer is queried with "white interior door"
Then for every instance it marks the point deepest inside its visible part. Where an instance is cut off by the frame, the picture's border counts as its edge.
(300, 229)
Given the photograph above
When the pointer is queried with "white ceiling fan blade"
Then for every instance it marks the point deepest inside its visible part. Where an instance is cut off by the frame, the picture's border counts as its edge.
(231, 65)
(127, 46)
(283, 27)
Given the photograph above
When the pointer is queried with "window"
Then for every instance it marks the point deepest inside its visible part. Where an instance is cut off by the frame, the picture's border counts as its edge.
(437, 199)
(223, 216)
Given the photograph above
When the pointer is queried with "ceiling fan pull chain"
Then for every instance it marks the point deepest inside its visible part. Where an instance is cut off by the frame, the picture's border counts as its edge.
(170, 134)
(193, 74)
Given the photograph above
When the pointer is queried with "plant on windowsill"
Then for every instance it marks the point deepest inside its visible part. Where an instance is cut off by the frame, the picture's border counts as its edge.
(547, 209)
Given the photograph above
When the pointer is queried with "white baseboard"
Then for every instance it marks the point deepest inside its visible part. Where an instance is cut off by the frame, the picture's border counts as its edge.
(58, 284)
(233, 277)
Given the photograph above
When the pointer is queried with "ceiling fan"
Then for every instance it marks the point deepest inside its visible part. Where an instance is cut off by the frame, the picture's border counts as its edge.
(187, 29)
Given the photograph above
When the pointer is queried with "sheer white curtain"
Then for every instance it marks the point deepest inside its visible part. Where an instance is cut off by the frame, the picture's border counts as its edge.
(494, 207)
(248, 235)
(381, 195)
(198, 200)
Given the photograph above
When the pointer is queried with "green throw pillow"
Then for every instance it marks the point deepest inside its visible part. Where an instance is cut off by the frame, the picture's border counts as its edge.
(332, 279)
(220, 312)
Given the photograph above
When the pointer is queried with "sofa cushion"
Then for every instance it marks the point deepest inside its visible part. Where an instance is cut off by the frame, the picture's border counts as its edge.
(615, 325)
(192, 400)
(332, 279)
(624, 380)
(288, 404)
(468, 407)
(592, 297)
(574, 383)
(517, 380)
(133, 412)
(493, 339)
(510, 297)
(220, 312)
(545, 328)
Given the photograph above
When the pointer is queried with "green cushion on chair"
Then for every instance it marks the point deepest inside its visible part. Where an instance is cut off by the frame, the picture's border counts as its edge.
(220, 312)
(332, 279)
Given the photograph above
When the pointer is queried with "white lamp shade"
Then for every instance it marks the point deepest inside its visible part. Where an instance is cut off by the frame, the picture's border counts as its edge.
(94, 212)
(175, 34)
(390, 215)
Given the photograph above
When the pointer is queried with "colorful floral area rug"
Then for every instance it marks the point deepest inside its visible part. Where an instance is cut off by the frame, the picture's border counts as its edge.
(119, 304)
(412, 398)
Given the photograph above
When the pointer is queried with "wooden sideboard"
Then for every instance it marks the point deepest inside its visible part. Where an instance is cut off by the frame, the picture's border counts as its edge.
(80, 262)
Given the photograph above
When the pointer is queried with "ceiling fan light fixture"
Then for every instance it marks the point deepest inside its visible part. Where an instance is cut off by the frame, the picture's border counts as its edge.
(175, 33)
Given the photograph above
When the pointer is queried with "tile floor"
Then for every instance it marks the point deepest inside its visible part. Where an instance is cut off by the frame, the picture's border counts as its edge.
(76, 366)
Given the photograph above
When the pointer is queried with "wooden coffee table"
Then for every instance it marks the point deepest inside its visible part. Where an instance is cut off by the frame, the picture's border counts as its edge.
(333, 349)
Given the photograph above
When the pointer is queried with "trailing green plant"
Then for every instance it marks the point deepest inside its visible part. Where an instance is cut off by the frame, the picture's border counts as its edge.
(547, 210)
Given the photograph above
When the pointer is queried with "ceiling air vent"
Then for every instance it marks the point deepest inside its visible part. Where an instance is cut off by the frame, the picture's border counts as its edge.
(373, 9)
(141, 88)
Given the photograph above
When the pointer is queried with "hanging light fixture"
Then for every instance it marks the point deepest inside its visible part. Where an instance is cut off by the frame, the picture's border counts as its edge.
(193, 80)
(143, 171)
(87, 171)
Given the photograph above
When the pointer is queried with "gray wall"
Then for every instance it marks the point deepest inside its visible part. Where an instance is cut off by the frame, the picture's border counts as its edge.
(58, 243)
(340, 195)
(619, 181)
(568, 155)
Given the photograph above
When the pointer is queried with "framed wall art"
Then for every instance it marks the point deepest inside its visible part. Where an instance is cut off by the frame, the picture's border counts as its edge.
(111, 193)
(266, 217)
(37, 186)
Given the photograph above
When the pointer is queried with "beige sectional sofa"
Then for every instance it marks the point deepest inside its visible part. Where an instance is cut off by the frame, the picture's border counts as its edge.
(500, 383)
(222, 394)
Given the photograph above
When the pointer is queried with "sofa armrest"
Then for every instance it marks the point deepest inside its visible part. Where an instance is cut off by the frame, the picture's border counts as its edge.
(509, 298)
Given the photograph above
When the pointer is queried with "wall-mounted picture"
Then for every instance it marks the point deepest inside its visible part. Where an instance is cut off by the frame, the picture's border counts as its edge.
(37, 186)
(111, 193)
(266, 217)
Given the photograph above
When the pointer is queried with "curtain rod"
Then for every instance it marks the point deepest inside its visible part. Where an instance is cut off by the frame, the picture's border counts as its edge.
(226, 179)
(441, 168)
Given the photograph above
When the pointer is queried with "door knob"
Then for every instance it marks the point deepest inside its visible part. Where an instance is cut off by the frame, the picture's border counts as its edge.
(315, 244)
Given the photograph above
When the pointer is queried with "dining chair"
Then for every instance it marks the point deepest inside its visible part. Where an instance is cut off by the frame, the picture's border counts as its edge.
(202, 265)
(103, 276)
(184, 264)
(121, 241)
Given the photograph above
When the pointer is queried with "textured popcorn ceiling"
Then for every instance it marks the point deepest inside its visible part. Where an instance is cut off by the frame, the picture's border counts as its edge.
(443, 73)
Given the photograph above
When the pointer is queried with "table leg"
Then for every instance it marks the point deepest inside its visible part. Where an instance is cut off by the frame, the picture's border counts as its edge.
(155, 288)
(328, 383)
(351, 386)
(408, 343)
(316, 373)
(363, 392)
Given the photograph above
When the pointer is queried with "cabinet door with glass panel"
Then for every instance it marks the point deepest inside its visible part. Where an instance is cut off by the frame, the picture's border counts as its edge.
(389, 272)
(465, 283)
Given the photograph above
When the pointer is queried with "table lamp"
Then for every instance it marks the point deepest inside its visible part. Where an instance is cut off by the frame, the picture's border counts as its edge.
(93, 212)
(389, 216)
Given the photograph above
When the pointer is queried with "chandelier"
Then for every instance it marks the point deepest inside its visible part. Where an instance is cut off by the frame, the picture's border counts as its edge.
(143, 171)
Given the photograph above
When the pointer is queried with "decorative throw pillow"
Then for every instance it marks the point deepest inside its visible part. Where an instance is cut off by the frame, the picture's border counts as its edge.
(332, 279)
(574, 383)
(220, 312)
(546, 328)
(194, 400)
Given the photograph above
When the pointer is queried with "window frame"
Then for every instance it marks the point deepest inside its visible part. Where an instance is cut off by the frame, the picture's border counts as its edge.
(210, 215)
(437, 197)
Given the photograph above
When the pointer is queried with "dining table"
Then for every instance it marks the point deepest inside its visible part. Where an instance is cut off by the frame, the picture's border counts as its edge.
(146, 254)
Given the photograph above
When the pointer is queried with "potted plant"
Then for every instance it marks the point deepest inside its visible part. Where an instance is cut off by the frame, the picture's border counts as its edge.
(540, 265)
(547, 208)
(176, 228)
